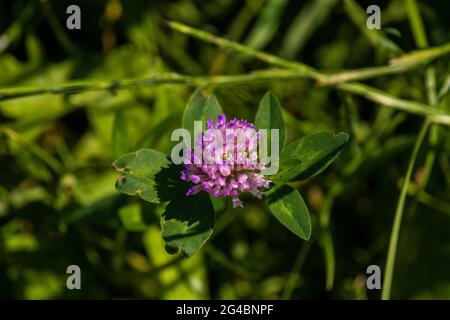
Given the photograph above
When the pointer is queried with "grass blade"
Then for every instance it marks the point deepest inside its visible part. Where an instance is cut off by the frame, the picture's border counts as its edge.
(303, 26)
(393, 242)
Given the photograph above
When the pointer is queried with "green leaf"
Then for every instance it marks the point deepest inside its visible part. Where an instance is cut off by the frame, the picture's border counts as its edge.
(310, 155)
(287, 205)
(120, 139)
(149, 174)
(187, 223)
(269, 116)
(200, 107)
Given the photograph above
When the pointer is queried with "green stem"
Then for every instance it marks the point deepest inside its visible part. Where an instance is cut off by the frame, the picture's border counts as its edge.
(416, 24)
(370, 93)
(393, 242)
(326, 237)
(293, 277)
(393, 102)
(430, 83)
(444, 89)
(296, 70)
(402, 63)
(376, 37)
(168, 78)
(261, 55)
(432, 202)
(364, 73)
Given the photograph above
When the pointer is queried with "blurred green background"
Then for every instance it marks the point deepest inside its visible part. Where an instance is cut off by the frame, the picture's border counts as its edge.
(58, 205)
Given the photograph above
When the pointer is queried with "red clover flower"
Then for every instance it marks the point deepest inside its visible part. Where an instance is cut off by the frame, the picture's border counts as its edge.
(230, 165)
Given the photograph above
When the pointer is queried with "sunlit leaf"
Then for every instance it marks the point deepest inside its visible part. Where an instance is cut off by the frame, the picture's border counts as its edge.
(150, 175)
(310, 155)
(269, 116)
(287, 205)
(201, 107)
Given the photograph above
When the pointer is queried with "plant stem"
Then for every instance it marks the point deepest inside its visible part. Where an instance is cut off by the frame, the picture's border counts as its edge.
(430, 81)
(416, 24)
(294, 70)
(376, 37)
(261, 55)
(402, 63)
(393, 242)
(326, 237)
(393, 102)
(432, 201)
(421, 41)
(293, 276)
(370, 93)
(167, 78)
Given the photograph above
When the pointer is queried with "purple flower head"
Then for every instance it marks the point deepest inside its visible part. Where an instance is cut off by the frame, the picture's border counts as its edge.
(229, 163)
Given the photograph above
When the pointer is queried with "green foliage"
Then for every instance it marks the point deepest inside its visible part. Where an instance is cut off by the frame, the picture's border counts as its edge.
(201, 107)
(71, 102)
(269, 116)
(288, 207)
(187, 223)
(148, 174)
(310, 155)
